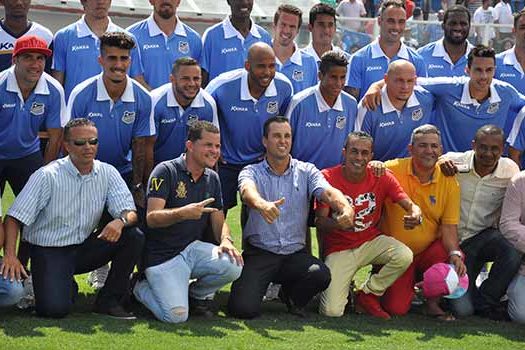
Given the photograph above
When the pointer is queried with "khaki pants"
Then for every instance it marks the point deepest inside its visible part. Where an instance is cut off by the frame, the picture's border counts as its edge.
(382, 250)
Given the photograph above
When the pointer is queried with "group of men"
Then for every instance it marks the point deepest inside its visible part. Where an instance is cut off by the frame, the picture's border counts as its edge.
(137, 185)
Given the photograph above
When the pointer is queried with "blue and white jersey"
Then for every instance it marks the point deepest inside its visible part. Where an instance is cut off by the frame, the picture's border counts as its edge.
(241, 116)
(225, 49)
(458, 116)
(391, 128)
(7, 41)
(301, 69)
(21, 120)
(369, 64)
(118, 123)
(159, 51)
(508, 69)
(309, 49)
(172, 120)
(438, 62)
(516, 137)
(76, 50)
(318, 130)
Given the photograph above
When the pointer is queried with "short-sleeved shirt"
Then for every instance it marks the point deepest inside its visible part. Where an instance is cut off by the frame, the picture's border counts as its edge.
(61, 207)
(369, 64)
(503, 15)
(516, 137)
(392, 129)
(76, 50)
(309, 49)
(300, 69)
(21, 120)
(241, 116)
(319, 131)
(458, 116)
(508, 69)
(159, 52)
(300, 182)
(438, 200)
(117, 122)
(172, 121)
(438, 62)
(367, 198)
(225, 49)
(171, 181)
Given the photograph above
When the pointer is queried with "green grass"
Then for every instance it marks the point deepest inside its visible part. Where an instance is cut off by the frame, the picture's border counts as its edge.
(275, 330)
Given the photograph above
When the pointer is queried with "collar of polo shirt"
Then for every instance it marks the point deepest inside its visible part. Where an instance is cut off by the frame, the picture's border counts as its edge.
(102, 93)
(387, 105)
(154, 30)
(510, 59)
(230, 31)
(322, 106)
(12, 85)
(439, 50)
(171, 101)
(468, 100)
(295, 58)
(270, 91)
(83, 29)
(378, 52)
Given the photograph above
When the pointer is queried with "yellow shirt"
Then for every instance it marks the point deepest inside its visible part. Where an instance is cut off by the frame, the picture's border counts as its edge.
(439, 201)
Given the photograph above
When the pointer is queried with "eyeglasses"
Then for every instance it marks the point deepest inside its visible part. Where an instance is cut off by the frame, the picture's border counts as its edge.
(92, 142)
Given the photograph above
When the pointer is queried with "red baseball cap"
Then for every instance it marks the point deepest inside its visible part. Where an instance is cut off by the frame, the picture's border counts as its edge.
(31, 43)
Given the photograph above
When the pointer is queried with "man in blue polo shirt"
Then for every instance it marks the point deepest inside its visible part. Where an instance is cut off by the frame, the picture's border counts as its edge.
(370, 63)
(226, 44)
(177, 105)
(245, 99)
(161, 39)
(77, 46)
(403, 108)
(299, 67)
(322, 116)
(447, 57)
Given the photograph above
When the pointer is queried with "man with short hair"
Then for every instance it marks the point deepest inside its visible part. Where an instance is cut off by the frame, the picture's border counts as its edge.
(503, 15)
(299, 67)
(184, 201)
(245, 99)
(351, 9)
(278, 191)
(226, 44)
(483, 176)
(177, 105)
(347, 251)
(448, 55)
(510, 64)
(60, 207)
(162, 38)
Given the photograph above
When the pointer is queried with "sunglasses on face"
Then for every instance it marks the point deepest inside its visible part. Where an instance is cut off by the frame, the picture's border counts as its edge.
(92, 142)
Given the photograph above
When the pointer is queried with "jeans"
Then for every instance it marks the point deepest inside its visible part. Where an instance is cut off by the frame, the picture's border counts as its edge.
(488, 245)
(516, 294)
(10, 292)
(165, 290)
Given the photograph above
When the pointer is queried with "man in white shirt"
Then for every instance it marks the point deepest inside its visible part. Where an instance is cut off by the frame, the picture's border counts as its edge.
(351, 9)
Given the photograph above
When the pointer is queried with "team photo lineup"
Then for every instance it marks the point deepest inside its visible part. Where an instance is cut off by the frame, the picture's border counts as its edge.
(126, 148)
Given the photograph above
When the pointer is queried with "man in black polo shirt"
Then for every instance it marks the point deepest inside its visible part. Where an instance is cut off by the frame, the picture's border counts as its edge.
(184, 197)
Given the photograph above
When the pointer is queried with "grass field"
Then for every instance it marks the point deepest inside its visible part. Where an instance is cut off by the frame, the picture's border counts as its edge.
(275, 330)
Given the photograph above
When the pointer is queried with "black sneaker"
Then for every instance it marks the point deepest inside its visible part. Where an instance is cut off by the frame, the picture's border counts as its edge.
(201, 308)
(115, 311)
(292, 308)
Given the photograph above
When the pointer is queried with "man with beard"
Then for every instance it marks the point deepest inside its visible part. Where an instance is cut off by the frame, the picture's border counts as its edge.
(161, 39)
(177, 105)
(447, 57)
(226, 44)
(245, 99)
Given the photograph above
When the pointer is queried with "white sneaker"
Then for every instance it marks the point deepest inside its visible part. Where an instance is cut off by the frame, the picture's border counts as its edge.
(97, 278)
(28, 300)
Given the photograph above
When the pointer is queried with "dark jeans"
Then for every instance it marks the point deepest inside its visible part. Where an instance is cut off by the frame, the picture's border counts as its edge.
(53, 269)
(301, 275)
(488, 245)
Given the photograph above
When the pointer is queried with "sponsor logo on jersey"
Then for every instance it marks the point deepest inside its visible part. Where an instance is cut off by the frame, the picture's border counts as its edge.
(298, 75)
(150, 46)
(273, 107)
(460, 105)
(493, 108)
(9, 105)
(385, 124)
(228, 50)
(94, 115)
(417, 114)
(435, 66)
(340, 122)
(239, 109)
(128, 117)
(79, 47)
(507, 75)
(37, 108)
(192, 118)
(313, 125)
(371, 68)
(184, 47)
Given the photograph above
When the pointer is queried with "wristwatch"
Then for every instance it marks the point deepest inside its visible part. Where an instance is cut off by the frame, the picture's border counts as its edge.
(124, 220)
(456, 253)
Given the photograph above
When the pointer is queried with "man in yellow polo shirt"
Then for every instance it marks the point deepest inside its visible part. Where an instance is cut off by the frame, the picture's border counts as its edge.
(436, 239)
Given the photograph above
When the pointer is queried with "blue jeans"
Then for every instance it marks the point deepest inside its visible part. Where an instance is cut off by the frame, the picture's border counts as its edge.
(10, 292)
(488, 245)
(166, 287)
(516, 294)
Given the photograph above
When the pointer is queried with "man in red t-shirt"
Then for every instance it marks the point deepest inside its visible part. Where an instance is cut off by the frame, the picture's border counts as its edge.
(347, 251)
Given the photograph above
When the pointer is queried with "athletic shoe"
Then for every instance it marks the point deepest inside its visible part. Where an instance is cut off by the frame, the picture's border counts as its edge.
(116, 311)
(97, 278)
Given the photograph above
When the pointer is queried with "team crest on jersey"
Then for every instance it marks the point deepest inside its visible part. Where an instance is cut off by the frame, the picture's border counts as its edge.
(37, 108)
(128, 117)
(184, 47)
(272, 107)
(493, 108)
(340, 122)
(298, 75)
(181, 190)
(192, 118)
(417, 114)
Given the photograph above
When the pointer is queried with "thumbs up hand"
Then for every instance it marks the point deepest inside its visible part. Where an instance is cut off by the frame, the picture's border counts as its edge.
(270, 210)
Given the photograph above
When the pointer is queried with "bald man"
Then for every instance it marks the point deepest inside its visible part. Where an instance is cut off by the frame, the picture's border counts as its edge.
(245, 99)
(404, 107)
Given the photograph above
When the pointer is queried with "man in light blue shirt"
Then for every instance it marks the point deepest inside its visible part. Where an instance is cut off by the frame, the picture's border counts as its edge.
(509, 65)
(226, 44)
(60, 208)
(278, 191)
(161, 39)
(299, 67)
(322, 116)
(77, 47)
(403, 108)
(447, 57)
(245, 99)
(370, 63)
(177, 105)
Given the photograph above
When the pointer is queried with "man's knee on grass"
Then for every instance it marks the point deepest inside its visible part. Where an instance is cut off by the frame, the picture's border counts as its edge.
(177, 314)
